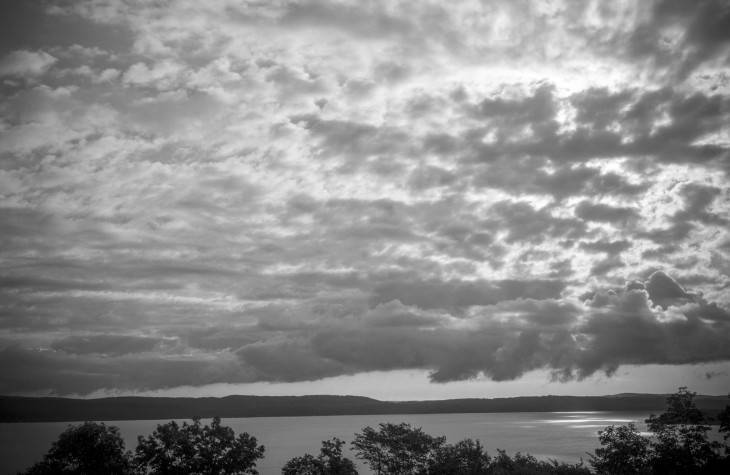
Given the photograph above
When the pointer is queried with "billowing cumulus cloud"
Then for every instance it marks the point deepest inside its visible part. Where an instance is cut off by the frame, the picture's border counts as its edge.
(237, 192)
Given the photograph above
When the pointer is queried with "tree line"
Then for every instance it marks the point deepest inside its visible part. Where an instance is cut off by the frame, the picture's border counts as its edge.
(679, 444)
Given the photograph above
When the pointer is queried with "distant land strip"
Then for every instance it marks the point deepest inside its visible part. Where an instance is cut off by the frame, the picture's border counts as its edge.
(52, 409)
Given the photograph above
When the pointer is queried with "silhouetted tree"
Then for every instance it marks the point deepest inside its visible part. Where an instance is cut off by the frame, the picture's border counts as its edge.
(90, 448)
(624, 451)
(330, 461)
(396, 449)
(681, 442)
(526, 464)
(681, 409)
(196, 449)
(724, 419)
(307, 464)
(463, 458)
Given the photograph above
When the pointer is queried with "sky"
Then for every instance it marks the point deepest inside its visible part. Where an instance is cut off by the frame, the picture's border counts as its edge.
(394, 199)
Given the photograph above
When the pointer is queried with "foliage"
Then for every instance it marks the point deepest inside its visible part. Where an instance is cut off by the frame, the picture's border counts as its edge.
(526, 464)
(679, 443)
(86, 449)
(196, 449)
(724, 419)
(623, 451)
(396, 449)
(681, 410)
(330, 461)
(681, 448)
(463, 458)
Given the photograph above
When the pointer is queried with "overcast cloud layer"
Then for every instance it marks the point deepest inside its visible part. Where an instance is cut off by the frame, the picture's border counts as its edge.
(196, 192)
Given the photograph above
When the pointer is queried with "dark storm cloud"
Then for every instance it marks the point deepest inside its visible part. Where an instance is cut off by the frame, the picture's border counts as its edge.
(288, 359)
(218, 337)
(37, 370)
(601, 268)
(39, 283)
(360, 219)
(369, 21)
(424, 178)
(112, 345)
(524, 175)
(454, 294)
(535, 109)
(611, 248)
(292, 83)
(352, 139)
(665, 291)
(697, 201)
(505, 340)
(691, 116)
(709, 311)
(599, 108)
(669, 236)
(624, 330)
(502, 350)
(664, 123)
(703, 26)
(714, 374)
(605, 213)
(566, 181)
(32, 25)
(524, 223)
(613, 183)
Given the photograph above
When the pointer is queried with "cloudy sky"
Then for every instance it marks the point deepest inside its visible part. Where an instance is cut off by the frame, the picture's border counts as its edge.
(405, 200)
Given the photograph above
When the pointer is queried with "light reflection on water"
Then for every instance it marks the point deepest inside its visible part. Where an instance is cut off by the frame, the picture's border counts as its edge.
(593, 419)
(578, 420)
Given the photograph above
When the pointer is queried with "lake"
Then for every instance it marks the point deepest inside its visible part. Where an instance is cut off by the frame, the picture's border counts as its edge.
(565, 436)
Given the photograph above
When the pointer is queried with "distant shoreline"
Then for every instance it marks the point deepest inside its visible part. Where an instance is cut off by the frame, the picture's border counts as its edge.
(51, 409)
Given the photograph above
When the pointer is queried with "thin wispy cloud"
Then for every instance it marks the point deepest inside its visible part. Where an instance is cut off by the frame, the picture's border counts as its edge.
(202, 193)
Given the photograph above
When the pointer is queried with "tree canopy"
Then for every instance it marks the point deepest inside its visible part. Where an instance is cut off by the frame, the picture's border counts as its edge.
(90, 448)
(679, 443)
(397, 449)
(463, 458)
(330, 461)
(189, 449)
(681, 409)
(624, 451)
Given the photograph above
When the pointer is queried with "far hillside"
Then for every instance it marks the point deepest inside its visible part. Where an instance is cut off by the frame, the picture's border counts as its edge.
(31, 409)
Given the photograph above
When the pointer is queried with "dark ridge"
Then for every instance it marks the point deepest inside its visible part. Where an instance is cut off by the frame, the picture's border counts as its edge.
(51, 409)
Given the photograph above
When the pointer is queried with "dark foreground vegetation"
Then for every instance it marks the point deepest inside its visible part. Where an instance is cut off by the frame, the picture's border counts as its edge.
(678, 445)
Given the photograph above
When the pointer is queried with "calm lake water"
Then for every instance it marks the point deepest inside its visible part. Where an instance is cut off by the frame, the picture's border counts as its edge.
(565, 436)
